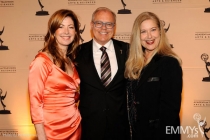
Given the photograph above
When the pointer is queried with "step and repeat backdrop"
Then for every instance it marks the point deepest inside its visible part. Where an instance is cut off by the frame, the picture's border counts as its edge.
(23, 25)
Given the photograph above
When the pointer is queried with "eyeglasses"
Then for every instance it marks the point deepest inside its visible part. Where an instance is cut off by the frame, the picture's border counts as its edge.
(108, 25)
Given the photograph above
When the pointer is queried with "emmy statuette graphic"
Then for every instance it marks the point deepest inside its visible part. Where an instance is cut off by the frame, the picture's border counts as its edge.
(166, 29)
(205, 130)
(41, 13)
(124, 11)
(81, 31)
(197, 118)
(205, 57)
(207, 10)
(2, 103)
(2, 47)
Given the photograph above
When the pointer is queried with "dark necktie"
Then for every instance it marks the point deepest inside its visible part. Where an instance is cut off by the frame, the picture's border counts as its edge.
(105, 67)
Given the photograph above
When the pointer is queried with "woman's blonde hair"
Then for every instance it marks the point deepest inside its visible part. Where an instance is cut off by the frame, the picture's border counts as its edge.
(135, 62)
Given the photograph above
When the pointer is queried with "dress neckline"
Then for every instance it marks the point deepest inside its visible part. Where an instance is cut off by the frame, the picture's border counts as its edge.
(47, 57)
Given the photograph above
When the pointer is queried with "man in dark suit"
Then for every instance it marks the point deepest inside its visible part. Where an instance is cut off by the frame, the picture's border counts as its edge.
(103, 107)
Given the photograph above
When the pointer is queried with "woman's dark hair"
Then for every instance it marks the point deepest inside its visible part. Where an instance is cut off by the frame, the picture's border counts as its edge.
(50, 44)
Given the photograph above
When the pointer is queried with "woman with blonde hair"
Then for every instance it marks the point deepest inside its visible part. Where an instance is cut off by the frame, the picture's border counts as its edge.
(54, 81)
(154, 85)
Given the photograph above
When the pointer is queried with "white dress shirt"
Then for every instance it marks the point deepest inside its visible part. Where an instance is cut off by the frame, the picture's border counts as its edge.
(112, 57)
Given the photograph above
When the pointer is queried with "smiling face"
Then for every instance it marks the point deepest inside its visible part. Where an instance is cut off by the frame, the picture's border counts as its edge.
(149, 36)
(103, 35)
(65, 33)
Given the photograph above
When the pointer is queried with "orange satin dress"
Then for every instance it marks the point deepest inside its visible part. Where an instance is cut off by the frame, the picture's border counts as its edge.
(52, 99)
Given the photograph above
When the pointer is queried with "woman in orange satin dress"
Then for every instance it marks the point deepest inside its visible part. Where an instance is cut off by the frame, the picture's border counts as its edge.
(54, 81)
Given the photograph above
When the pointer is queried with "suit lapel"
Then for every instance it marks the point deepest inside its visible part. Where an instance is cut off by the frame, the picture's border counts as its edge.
(91, 69)
(149, 69)
(119, 57)
(120, 61)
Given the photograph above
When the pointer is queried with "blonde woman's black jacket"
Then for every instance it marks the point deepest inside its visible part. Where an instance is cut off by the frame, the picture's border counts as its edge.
(154, 100)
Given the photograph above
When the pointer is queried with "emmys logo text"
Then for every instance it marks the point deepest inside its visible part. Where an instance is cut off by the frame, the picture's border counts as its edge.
(201, 103)
(190, 131)
(36, 37)
(202, 35)
(7, 69)
(5, 3)
(123, 36)
(81, 2)
(14, 133)
(166, 1)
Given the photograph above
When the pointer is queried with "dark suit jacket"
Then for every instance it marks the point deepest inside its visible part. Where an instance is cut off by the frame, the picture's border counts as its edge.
(103, 109)
(157, 100)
